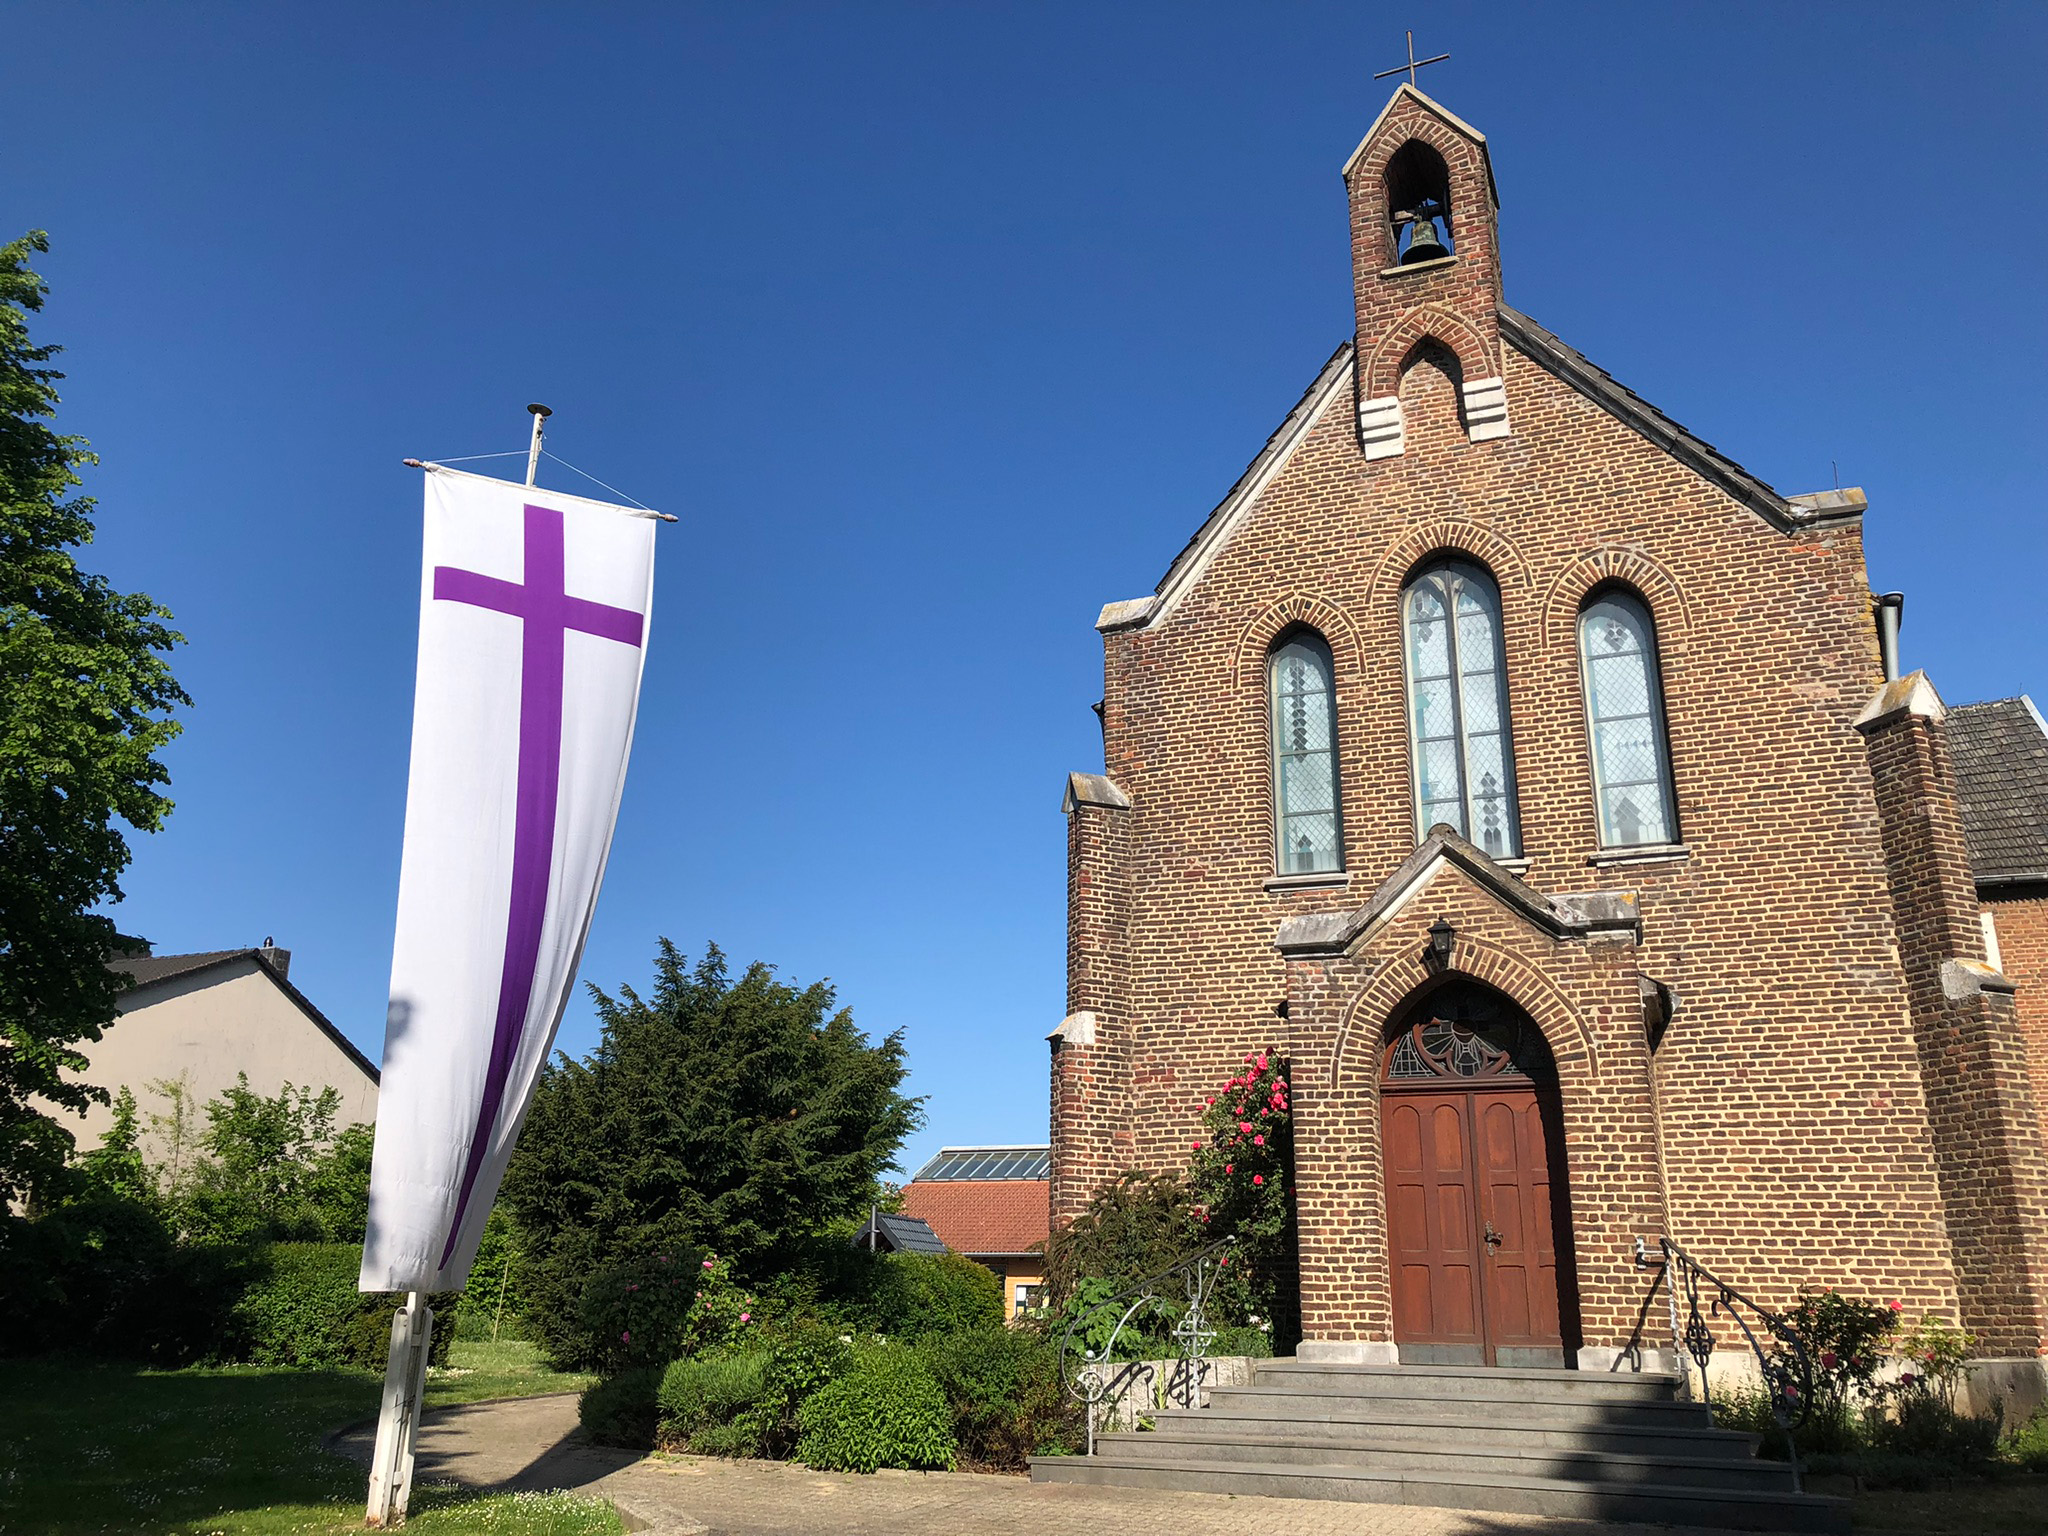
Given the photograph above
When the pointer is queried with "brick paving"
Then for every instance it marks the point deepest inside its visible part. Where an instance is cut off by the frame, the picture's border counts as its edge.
(533, 1443)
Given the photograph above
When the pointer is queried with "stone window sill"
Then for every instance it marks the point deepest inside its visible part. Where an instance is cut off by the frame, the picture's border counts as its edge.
(1322, 880)
(1516, 867)
(1647, 853)
(1419, 266)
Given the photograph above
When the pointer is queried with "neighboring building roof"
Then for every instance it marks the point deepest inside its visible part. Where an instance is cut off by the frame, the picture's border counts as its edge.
(982, 1217)
(987, 1163)
(149, 970)
(2000, 748)
(899, 1234)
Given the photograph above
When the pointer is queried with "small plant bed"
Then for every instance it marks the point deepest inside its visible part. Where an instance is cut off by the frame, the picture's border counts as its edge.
(90, 1447)
(2017, 1505)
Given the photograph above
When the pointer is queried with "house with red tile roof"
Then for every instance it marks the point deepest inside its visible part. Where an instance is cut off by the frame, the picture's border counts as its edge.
(993, 1204)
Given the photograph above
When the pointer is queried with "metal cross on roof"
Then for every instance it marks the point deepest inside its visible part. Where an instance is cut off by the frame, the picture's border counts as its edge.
(1412, 65)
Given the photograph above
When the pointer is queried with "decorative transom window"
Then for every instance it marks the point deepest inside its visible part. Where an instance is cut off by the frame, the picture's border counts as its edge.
(1465, 1032)
(1306, 824)
(1625, 719)
(1458, 707)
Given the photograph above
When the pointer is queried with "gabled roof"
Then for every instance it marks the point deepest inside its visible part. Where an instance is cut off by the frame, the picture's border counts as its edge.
(1785, 513)
(983, 1216)
(1329, 933)
(898, 1234)
(2000, 749)
(149, 970)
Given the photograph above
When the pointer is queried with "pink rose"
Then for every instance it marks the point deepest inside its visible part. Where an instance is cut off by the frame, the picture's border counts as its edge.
(626, 1337)
(746, 1317)
(1258, 1141)
(1827, 1358)
(1210, 1100)
(1258, 1178)
(1896, 1307)
(1244, 1126)
(1230, 1167)
(707, 1263)
(1262, 1063)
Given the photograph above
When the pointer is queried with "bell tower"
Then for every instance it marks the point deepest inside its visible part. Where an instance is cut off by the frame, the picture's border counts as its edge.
(1425, 266)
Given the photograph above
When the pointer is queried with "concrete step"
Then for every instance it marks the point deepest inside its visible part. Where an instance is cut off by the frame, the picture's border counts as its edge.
(1413, 1399)
(1468, 1381)
(1175, 1445)
(1626, 1440)
(1724, 1508)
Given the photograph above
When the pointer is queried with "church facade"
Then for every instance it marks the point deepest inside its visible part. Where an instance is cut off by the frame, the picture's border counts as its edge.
(1540, 785)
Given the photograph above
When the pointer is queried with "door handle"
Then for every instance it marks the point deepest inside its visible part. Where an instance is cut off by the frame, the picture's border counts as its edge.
(1492, 1238)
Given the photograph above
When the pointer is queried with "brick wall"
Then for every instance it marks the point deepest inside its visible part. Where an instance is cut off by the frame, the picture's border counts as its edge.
(2022, 924)
(1980, 1098)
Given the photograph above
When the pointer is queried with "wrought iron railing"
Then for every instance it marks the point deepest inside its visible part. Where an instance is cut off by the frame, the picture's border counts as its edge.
(1786, 1367)
(1179, 1297)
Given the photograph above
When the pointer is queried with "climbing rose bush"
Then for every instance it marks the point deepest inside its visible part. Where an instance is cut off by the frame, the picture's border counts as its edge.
(1243, 1180)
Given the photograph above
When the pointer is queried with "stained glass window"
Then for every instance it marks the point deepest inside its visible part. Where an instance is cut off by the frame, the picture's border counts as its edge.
(1465, 1032)
(1306, 821)
(1457, 708)
(1625, 717)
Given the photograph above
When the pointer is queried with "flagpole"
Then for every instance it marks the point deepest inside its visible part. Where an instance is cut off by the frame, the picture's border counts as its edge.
(412, 1326)
(540, 414)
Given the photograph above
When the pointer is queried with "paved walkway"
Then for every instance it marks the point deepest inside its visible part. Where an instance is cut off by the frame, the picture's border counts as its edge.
(533, 1443)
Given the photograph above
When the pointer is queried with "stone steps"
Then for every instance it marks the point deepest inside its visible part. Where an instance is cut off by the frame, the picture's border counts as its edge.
(1417, 1460)
(1546, 1442)
(1392, 1428)
(1722, 1508)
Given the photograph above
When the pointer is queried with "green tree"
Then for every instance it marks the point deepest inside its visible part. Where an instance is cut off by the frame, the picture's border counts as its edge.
(277, 1169)
(85, 700)
(738, 1117)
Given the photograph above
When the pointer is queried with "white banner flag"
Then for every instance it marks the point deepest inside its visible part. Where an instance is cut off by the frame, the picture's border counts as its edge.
(533, 630)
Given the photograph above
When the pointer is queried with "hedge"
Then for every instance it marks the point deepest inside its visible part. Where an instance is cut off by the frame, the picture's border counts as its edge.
(303, 1309)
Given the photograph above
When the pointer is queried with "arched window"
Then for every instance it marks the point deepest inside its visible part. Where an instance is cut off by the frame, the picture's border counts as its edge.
(1305, 819)
(1458, 707)
(1625, 718)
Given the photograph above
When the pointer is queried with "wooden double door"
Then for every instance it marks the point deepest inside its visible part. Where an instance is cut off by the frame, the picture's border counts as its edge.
(1475, 1210)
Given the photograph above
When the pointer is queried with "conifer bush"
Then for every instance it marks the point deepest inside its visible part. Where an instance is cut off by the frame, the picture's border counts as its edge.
(886, 1410)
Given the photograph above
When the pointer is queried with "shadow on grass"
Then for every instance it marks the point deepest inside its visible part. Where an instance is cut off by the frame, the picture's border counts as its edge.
(94, 1446)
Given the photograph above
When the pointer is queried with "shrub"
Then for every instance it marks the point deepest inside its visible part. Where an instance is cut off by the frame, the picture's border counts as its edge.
(1002, 1386)
(886, 1410)
(303, 1310)
(919, 1294)
(803, 1358)
(2028, 1446)
(1131, 1230)
(1928, 1428)
(648, 1311)
(705, 1403)
(1254, 1339)
(623, 1409)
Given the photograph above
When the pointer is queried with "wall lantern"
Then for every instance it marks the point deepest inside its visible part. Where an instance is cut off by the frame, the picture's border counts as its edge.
(1441, 936)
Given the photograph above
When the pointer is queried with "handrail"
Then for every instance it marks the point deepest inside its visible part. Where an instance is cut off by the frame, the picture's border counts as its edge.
(1787, 1368)
(1088, 1381)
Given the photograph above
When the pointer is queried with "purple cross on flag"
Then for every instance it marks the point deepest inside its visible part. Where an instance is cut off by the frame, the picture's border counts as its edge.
(533, 631)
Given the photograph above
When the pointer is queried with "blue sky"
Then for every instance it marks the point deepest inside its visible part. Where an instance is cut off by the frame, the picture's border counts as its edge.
(939, 326)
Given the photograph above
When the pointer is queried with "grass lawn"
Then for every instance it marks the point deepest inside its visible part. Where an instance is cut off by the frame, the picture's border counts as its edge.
(92, 1447)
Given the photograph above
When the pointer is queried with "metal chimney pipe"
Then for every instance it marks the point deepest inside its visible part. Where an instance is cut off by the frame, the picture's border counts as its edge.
(1891, 606)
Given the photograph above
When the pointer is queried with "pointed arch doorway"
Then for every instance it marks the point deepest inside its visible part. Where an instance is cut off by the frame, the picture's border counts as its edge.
(1478, 1211)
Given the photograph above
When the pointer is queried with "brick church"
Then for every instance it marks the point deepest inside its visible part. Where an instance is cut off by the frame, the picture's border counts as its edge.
(1542, 786)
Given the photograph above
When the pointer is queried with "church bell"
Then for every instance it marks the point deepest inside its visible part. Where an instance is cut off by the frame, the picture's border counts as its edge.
(1423, 244)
